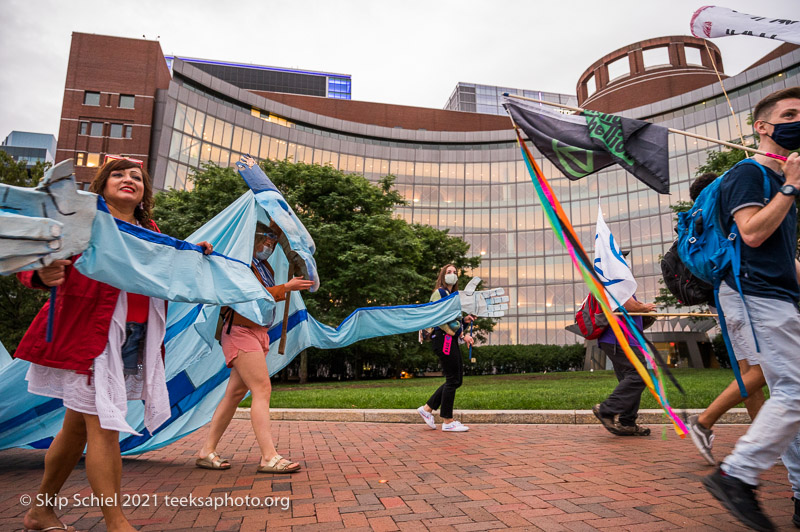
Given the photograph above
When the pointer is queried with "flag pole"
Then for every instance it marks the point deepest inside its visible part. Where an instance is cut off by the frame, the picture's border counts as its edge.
(670, 314)
(671, 130)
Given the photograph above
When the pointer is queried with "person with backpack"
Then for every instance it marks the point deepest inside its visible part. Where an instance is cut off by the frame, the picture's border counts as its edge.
(690, 290)
(619, 411)
(766, 221)
(444, 340)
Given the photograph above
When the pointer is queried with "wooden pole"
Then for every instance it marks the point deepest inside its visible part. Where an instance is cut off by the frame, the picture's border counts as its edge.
(282, 345)
(670, 314)
(671, 130)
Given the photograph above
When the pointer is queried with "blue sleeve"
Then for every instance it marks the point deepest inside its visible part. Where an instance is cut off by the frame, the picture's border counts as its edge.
(743, 186)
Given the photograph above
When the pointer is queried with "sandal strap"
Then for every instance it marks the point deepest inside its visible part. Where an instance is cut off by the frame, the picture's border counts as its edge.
(274, 461)
(216, 459)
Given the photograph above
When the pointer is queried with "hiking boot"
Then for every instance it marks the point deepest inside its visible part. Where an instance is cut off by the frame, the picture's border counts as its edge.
(607, 421)
(796, 516)
(739, 499)
(703, 438)
(635, 430)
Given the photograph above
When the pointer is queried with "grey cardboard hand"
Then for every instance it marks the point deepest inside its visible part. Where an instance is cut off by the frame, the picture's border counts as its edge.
(483, 303)
(59, 221)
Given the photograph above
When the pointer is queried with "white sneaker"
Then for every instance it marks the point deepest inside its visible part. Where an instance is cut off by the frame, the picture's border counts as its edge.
(427, 416)
(454, 426)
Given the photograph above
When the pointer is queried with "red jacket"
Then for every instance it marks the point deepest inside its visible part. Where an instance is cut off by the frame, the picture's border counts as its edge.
(84, 308)
(82, 319)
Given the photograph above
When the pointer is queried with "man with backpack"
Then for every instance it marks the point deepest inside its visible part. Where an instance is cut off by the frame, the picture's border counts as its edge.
(690, 290)
(619, 411)
(766, 222)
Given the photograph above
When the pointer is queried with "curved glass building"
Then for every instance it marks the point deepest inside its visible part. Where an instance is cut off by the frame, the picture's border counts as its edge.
(463, 171)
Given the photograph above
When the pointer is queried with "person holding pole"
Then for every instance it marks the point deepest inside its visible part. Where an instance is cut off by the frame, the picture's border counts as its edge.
(245, 345)
(106, 350)
(700, 424)
(445, 339)
(767, 226)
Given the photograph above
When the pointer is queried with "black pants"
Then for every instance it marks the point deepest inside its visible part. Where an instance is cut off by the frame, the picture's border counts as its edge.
(453, 370)
(624, 400)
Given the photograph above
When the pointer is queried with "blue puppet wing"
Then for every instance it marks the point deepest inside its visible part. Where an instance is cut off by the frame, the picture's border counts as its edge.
(195, 367)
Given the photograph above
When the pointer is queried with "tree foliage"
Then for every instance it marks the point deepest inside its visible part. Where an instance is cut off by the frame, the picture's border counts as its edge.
(18, 305)
(366, 255)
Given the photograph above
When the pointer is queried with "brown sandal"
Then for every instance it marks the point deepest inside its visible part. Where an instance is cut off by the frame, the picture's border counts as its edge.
(212, 461)
(278, 464)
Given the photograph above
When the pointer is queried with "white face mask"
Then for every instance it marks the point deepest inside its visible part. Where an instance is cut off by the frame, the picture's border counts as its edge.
(265, 252)
(451, 279)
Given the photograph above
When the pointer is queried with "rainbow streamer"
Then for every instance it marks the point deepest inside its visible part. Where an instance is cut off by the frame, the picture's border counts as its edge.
(623, 328)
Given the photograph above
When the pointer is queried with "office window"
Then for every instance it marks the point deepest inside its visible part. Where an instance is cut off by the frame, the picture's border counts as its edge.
(92, 159)
(116, 131)
(84, 128)
(96, 129)
(126, 101)
(80, 159)
(128, 132)
(91, 98)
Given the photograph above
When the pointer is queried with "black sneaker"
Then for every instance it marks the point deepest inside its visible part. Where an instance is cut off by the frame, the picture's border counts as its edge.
(738, 498)
(607, 421)
(635, 430)
(796, 516)
(702, 438)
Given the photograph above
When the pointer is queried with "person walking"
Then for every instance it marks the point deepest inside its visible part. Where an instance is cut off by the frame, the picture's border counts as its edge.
(245, 345)
(444, 339)
(767, 224)
(106, 350)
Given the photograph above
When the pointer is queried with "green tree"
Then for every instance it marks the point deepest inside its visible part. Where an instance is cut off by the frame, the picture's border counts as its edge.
(18, 305)
(181, 212)
(366, 256)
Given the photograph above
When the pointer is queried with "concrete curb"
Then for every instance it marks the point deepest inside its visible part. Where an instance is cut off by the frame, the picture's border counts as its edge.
(735, 416)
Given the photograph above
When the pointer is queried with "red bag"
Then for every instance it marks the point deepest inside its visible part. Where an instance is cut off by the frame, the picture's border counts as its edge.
(590, 322)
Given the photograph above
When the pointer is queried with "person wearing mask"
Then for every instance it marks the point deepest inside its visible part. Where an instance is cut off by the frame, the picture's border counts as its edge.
(444, 339)
(767, 225)
(245, 345)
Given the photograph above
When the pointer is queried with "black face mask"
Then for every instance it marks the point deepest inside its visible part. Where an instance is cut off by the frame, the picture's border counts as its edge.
(786, 135)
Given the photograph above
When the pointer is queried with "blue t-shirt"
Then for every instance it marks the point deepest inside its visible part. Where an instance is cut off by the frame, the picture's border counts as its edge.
(768, 270)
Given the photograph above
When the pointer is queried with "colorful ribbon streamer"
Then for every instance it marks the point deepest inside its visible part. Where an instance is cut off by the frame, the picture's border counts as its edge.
(623, 328)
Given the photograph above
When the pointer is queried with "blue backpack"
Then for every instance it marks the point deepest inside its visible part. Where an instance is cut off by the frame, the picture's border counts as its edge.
(710, 252)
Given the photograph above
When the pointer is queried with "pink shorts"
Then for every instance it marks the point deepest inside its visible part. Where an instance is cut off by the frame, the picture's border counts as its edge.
(244, 339)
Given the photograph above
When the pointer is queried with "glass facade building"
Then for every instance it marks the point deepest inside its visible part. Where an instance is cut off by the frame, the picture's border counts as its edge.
(274, 79)
(487, 99)
(473, 183)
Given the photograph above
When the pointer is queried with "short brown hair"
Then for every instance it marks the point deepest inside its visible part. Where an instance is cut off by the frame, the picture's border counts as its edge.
(144, 211)
(767, 103)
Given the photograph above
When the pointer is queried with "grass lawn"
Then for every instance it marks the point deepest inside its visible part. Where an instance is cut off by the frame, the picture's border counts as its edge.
(551, 391)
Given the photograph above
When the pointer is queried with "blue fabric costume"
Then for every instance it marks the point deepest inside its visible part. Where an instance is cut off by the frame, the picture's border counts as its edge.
(195, 366)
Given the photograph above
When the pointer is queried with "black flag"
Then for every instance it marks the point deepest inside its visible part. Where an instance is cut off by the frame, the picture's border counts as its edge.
(580, 145)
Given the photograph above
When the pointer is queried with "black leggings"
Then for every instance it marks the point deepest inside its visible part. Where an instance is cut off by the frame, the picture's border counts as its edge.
(453, 370)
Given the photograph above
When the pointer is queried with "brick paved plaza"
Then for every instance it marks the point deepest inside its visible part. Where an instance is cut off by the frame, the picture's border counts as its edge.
(391, 476)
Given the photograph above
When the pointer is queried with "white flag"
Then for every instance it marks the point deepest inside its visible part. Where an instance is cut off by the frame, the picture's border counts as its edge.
(610, 265)
(712, 21)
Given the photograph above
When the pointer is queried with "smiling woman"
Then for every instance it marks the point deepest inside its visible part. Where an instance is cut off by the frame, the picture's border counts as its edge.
(127, 189)
(115, 338)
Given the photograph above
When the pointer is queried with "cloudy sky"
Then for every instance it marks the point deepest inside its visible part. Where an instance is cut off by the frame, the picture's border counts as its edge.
(408, 52)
